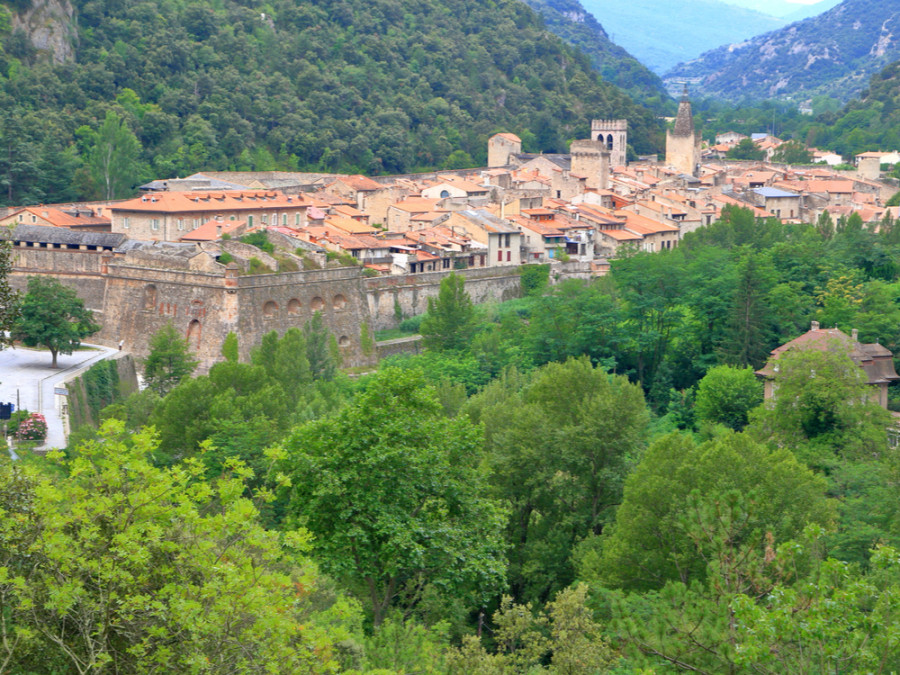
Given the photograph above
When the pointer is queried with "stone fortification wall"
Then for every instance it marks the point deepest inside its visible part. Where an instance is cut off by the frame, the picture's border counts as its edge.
(280, 301)
(132, 302)
(140, 301)
(411, 292)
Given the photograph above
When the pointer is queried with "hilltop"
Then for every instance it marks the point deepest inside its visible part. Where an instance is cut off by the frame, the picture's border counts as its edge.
(834, 53)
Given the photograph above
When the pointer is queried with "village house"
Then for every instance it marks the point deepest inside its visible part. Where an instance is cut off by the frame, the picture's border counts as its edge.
(168, 216)
(400, 214)
(503, 240)
(74, 217)
(876, 361)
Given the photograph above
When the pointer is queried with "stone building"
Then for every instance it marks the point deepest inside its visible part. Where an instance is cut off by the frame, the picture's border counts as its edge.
(614, 133)
(591, 160)
(168, 216)
(683, 141)
(501, 147)
(876, 361)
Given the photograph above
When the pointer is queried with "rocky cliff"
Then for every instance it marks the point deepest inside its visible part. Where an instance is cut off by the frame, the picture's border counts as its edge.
(50, 27)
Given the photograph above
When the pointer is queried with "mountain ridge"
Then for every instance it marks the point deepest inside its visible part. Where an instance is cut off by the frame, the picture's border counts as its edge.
(833, 53)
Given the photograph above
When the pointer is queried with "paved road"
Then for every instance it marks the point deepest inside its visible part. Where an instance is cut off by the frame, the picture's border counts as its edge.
(26, 373)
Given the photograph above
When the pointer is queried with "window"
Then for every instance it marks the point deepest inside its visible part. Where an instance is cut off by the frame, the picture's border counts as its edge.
(126, 222)
(154, 223)
(499, 256)
(264, 218)
(249, 221)
(284, 219)
(507, 240)
(297, 219)
(509, 256)
(33, 219)
(181, 223)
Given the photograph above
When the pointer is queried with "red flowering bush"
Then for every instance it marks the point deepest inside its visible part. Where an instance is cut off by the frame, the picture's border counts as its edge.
(32, 428)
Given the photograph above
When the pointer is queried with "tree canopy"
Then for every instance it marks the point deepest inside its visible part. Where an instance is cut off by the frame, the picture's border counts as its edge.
(52, 316)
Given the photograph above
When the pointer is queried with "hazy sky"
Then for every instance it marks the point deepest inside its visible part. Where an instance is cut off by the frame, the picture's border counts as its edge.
(777, 7)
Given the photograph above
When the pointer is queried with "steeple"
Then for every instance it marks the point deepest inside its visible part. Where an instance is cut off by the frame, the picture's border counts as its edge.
(684, 122)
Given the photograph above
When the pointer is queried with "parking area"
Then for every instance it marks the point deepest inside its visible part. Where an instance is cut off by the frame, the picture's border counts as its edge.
(28, 382)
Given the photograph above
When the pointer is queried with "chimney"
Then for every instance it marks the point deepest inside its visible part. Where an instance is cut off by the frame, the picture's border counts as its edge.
(855, 335)
(815, 325)
(218, 231)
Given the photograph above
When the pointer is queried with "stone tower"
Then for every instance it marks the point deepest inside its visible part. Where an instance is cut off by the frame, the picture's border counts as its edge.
(591, 160)
(614, 134)
(500, 147)
(683, 142)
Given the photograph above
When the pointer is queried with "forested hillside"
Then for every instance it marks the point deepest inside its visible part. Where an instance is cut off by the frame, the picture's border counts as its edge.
(334, 85)
(833, 53)
(570, 20)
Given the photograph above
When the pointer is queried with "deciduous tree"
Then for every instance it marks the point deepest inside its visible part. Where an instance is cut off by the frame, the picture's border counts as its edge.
(395, 496)
(448, 324)
(170, 360)
(53, 316)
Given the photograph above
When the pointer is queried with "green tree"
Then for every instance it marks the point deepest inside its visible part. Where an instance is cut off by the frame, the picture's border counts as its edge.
(10, 300)
(792, 152)
(747, 336)
(119, 566)
(564, 636)
(726, 395)
(822, 408)
(170, 360)
(449, 321)
(318, 355)
(113, 157)
(52, 316)
(230, 348)
(746, 149)
(394, 494)
(652, 541)
(559, 448)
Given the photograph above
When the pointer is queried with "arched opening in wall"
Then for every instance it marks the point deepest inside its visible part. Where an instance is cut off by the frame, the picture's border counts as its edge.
(149, 297)
(609, 142)
(193, 335)
(444, 194)
(339, 301)
(344, 341)
(317, 304)
(270, 309)
(293, 306)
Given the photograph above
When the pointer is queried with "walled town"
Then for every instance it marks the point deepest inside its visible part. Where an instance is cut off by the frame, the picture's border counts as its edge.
(370, 251)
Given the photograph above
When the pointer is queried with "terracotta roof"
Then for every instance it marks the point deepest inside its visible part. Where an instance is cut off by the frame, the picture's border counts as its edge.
(874, 359)
(416, 205)
(510, 137)
(57, 217)
(349, 211)
(621, 235)
(213, 229)
(197, 202)
(349, 225)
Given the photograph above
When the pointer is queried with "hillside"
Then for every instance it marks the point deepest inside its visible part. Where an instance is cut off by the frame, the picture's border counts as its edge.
(833, 53)
(570, 20)
(661, 33)
(377, 86)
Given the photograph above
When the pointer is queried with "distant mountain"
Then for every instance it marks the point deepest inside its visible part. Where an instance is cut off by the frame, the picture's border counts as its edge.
(834, 53)
(662, 33)
(574, 24)
(806, 11)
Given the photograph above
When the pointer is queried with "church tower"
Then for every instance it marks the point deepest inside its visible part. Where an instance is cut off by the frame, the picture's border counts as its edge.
(614, 135)
(683, 142)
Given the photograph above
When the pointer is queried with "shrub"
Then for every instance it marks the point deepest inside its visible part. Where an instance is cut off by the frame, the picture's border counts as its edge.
(32, 428)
